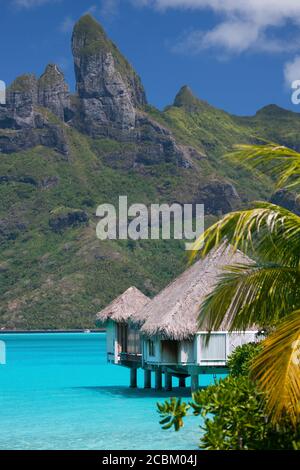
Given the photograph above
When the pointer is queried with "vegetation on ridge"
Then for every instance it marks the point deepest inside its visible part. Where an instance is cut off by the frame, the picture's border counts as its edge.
(95, 41)
(71, 275)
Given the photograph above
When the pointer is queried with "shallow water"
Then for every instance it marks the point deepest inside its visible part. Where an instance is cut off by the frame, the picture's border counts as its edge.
(58, 392)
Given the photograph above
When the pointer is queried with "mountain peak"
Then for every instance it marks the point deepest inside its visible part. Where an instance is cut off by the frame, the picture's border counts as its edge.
(272, 110)
(185, 98)
(51, 75)
(53, 91)
(88, 36)
(109, 89)
(24, 83)
(88, 22)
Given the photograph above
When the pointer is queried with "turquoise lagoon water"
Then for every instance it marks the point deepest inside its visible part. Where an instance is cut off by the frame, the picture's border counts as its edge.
(58, 392)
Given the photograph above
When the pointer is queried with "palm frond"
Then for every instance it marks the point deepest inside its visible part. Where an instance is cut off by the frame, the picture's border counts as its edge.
(277, 370)
(249, 295)
(277, 161)
(269, 231)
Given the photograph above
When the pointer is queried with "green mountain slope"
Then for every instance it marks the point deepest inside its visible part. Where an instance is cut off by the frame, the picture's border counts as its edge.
(54, 272)
(61, 278)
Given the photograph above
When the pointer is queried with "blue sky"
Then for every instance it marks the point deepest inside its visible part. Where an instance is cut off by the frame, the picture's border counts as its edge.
(238, 55)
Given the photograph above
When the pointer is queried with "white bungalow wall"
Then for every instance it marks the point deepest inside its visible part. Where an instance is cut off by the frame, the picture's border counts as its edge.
(220, 346)
(151, 355)
(197, 352)
(155, 353)
(187, 352)
(111, 342)
(213, 353)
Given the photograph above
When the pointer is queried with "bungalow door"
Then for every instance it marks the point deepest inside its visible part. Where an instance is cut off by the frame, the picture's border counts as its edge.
(122, 337)
(169, 352)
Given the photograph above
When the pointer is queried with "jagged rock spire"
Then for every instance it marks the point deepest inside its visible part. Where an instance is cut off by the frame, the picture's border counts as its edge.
(53, 91)
(109, 90)
(21, 99)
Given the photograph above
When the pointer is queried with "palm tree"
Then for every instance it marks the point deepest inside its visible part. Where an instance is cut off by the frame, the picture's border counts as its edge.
(266, 292)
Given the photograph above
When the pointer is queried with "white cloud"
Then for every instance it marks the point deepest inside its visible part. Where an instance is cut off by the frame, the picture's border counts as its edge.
(31, 3)
(233, 36)
(292, 71)
(92, 9)
(67, 25)
(109, 8)
(242, 24)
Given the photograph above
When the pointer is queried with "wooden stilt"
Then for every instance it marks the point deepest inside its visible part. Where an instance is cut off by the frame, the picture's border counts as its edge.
(182, 382)
(168, 382)
(158, 380)
(147, 378)
(133, 378)
(195, 382)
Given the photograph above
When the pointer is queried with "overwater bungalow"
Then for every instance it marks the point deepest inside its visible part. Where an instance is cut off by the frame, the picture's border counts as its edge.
(165, 332)
(123, 340)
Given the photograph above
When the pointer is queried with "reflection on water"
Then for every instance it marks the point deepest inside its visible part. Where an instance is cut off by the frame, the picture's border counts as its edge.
(57, 392)
(127, 392)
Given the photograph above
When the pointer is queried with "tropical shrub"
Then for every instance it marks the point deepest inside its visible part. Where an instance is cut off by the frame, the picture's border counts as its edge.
(233, 412)
(234, 417)
(241, 358)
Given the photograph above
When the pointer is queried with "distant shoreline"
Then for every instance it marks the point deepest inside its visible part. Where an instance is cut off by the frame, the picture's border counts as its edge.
(5, 332)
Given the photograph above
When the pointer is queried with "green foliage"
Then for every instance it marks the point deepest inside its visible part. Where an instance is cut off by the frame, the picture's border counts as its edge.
(272, 284)
(187, 100)
(275, 125)
(276, 370)
(241, 358)
(92, 35)
(239, 420)
(232, 411)
(172, 413)
(265, 293)
(214, 133)
(279, 161)
(23, 83)
(60, 279)
(233, 418)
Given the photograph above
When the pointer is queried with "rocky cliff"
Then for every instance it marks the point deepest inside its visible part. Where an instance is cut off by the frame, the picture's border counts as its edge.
(109, 90)
(54, 93)
(109, 102)
(24, 125)
(111, 99)
(21, 99)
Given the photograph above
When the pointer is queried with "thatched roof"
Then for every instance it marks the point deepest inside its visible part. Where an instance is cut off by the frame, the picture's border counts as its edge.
(174, 312)
(123, 306)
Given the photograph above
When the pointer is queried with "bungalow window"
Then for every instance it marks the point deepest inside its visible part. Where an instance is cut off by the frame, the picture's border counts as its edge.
(133, 341)
(151, 348)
